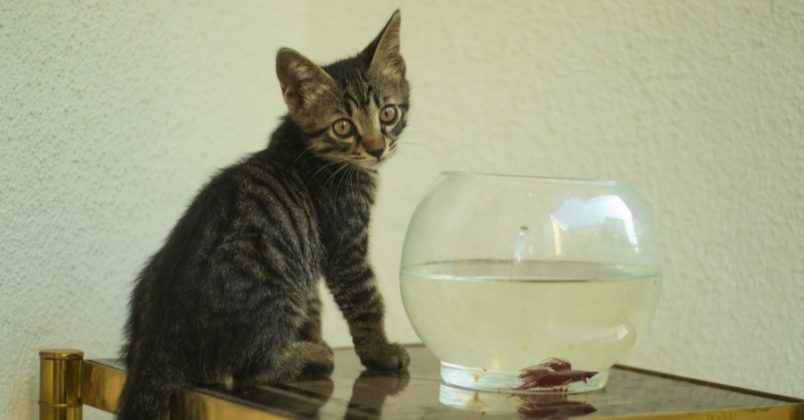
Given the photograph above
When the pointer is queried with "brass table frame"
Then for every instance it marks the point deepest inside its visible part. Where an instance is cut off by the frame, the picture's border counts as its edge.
(68, 381)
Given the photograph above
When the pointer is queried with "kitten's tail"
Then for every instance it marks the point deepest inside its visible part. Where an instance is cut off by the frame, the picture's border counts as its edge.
(146, 394)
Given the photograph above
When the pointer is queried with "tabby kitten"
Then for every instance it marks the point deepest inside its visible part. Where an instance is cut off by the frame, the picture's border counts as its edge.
(231, 298)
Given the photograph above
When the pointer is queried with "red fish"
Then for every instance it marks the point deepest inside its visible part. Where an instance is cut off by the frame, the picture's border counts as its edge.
(551, 373)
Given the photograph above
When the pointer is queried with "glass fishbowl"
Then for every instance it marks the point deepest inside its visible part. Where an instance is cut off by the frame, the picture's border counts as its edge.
(526, 284)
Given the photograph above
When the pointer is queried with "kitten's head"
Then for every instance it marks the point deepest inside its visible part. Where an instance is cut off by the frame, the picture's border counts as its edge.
(352, 110)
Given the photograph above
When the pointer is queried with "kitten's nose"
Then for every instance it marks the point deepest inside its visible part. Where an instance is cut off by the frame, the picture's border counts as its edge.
(376, 153)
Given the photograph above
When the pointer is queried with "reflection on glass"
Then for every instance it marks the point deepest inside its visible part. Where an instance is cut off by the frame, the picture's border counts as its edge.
(527, 406)
(318, 390)
(308, 398)
(606, 215)
(370, 391)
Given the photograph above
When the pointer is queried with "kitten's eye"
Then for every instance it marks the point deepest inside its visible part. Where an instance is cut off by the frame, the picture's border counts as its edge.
(388, 114)
(342, 127)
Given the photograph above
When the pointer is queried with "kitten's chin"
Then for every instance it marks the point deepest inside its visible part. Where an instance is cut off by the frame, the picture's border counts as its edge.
(371, 163)
(368, 164)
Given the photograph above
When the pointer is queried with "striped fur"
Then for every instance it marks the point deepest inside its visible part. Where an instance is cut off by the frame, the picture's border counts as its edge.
(231, 297)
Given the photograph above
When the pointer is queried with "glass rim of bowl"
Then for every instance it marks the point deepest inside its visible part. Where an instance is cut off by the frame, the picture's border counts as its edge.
(536, 178)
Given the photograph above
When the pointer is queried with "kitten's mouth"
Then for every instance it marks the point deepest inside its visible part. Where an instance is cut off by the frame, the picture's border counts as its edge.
(370, 161)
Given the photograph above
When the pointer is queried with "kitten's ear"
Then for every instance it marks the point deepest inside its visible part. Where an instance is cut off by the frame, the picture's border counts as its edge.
(383, 53)
(301, 80)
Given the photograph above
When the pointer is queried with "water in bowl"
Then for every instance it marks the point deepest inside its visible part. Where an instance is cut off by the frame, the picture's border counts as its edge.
(487, 320)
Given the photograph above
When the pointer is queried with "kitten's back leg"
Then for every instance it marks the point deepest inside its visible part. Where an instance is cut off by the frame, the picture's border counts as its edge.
(311, 328)
(269, 291)
(301, 358)
(311, 331)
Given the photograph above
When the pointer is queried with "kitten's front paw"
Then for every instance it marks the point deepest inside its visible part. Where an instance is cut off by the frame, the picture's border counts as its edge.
(384, 356)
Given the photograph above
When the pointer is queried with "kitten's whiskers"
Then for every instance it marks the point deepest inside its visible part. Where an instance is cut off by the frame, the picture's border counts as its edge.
(306, 149)
(327, 165)
(332, 176)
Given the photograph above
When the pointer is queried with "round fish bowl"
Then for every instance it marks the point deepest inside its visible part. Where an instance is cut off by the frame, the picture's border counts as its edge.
(527, 284)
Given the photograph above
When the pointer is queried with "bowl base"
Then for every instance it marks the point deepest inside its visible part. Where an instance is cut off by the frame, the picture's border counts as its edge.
(510, 382)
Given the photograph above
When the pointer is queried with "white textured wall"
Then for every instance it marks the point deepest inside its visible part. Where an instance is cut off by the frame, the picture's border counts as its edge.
(112, 116)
